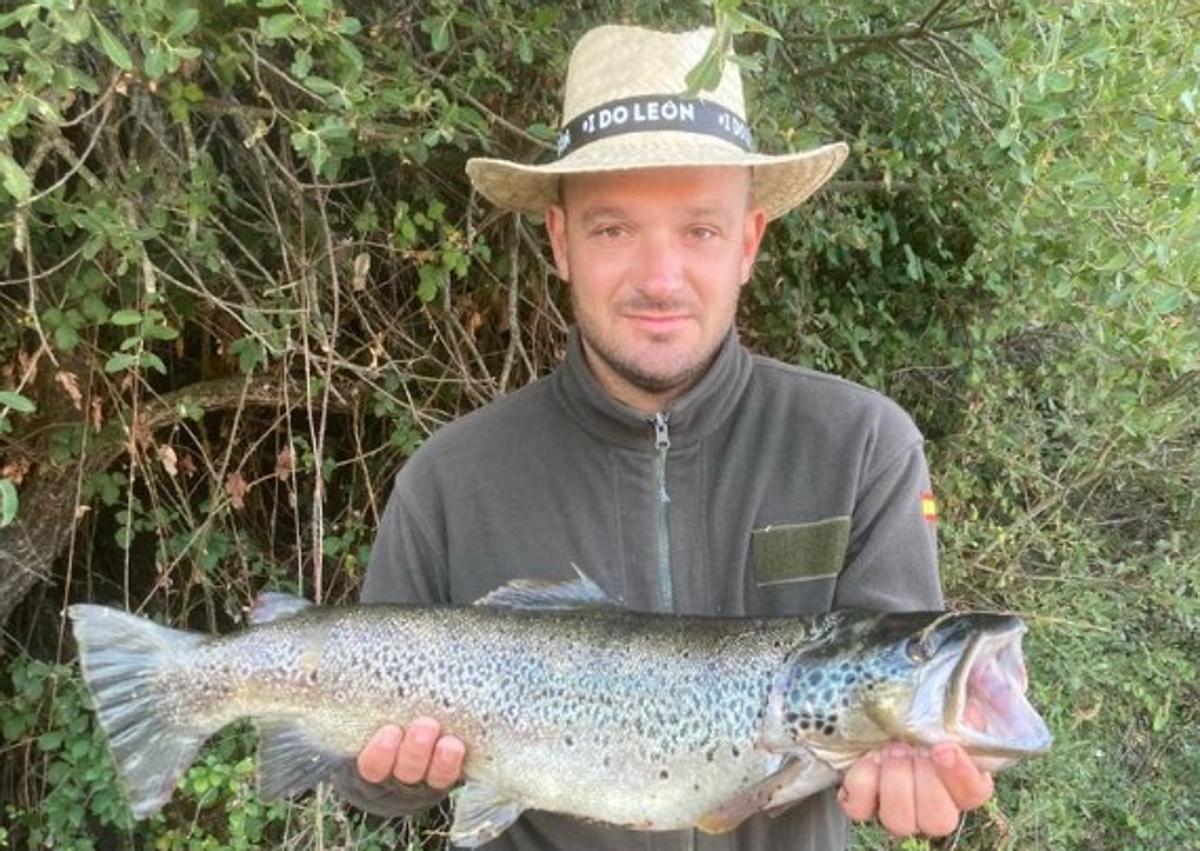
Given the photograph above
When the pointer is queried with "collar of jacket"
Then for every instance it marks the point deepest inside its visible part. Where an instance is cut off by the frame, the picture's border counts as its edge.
(693, 415)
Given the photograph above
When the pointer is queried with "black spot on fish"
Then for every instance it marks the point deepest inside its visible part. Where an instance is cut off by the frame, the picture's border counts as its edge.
(710, 754)
(569, 741)
(791, 717)
(827, 695)
(815, 677)
(832, 717)
(734, 750)
(804, 725)
(663, 775)
(827, 730)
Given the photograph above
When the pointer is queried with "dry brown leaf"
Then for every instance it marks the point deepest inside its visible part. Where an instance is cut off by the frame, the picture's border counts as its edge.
(15, 470)
(169, 460)
(235, 486)
(97, 413)
(285, 464)
(69, 382)
(28, 364)
(187, 466)
(362, 265)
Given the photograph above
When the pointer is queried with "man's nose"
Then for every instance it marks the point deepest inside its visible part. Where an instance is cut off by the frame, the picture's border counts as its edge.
(661, 265)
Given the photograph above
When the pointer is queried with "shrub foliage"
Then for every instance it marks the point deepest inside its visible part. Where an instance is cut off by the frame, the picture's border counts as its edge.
(244, 277)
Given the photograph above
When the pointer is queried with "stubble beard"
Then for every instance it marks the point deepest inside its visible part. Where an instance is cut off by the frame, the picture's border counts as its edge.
(671, 385)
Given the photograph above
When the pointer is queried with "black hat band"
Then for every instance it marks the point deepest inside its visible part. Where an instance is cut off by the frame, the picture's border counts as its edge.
(653, 112)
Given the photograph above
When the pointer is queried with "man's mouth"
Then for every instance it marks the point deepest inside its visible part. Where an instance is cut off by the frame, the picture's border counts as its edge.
(658, 322)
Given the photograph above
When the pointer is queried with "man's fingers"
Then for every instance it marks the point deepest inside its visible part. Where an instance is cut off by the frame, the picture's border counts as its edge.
(937, 813)
(377, 757)
(859, 795)
(445, 766)
(896, 796)
(416, 749)
(966, 784)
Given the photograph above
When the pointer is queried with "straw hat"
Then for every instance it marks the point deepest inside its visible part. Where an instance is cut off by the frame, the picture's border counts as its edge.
(623, 109)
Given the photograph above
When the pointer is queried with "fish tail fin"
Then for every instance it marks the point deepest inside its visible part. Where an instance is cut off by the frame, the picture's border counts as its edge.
(120, 655)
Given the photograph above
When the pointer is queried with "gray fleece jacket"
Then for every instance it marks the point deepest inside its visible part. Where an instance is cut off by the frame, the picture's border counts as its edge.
(767, 489)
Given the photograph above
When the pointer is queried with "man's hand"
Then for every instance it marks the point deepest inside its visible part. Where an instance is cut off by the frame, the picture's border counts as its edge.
(414, 755)
(914, 790)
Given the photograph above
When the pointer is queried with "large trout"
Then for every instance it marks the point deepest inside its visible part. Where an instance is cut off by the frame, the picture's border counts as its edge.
(565, 702)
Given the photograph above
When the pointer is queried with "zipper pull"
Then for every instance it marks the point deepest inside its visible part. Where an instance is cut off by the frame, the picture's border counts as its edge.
(662, 439)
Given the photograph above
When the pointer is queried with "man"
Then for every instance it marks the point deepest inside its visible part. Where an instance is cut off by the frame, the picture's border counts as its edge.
(678, 471)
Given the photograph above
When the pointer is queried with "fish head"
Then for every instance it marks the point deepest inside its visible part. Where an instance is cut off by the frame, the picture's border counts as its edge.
(920, 677)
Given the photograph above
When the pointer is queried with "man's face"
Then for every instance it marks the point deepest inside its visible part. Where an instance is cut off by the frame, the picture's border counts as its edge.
(655, 260)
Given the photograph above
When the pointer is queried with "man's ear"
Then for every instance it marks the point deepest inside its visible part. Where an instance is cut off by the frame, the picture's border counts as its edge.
(754, 227)
(556, 229)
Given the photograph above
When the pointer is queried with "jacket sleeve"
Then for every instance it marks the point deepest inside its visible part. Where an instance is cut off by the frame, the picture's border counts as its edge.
(891, 562)
(407, 566)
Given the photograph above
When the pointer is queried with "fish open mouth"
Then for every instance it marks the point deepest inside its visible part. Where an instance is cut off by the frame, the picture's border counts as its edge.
(986, 709)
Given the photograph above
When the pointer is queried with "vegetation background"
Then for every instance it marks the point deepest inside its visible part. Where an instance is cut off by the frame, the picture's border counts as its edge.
(242, 277)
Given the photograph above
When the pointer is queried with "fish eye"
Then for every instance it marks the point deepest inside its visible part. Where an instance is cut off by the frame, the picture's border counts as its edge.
(917, 650)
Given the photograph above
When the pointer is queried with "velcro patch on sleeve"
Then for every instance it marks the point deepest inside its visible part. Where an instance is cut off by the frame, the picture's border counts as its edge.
(799, 552)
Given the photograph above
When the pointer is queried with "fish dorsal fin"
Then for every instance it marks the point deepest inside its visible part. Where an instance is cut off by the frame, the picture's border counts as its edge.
(577, 593)
(273, 605)
(481, 814)
(289, 762)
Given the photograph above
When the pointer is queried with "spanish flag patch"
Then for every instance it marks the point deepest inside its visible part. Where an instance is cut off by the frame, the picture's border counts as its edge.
(928, 507)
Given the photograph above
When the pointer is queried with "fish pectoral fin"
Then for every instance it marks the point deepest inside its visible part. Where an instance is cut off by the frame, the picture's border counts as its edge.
(577, 593)
(273, 605)
(290, 762)
(481, 814)
(751, 799)
(811, 776)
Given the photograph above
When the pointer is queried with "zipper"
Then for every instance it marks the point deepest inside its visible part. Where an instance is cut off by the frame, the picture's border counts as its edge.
(662, 444)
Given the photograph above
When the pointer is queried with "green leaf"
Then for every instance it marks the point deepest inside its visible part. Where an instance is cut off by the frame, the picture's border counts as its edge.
(16, 181)
(19, 403)
(157, 62)
(9, 503)
(184, 24)
(119, 362)
(432, 278)
(126, 317)
(112, 47)
(66, 337)
(439, 31)
(77, 27)
(279, 25)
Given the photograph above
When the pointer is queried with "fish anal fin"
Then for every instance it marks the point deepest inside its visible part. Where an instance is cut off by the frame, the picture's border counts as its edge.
(577, 593)
(481, 814)
(272, 605)
(289, 761)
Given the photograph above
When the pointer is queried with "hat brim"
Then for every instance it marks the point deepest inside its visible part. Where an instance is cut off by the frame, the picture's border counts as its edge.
(779, 183)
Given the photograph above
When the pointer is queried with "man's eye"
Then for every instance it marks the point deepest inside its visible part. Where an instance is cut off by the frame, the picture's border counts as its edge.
(704, 234)
(610, 232)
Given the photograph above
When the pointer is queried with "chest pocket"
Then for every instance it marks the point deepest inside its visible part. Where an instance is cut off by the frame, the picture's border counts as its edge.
(799, 552)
